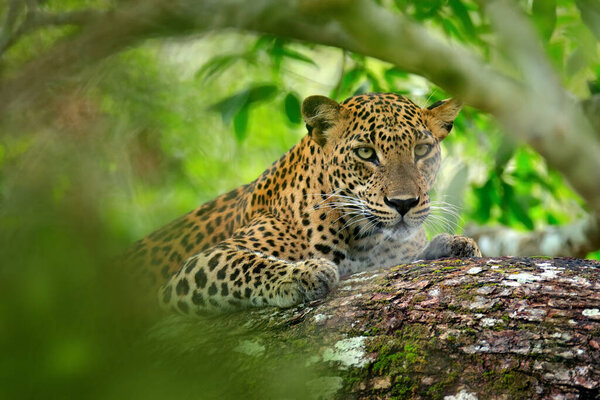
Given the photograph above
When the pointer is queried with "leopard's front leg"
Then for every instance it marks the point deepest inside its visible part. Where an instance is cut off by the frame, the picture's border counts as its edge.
(232, 275)
(446, 245)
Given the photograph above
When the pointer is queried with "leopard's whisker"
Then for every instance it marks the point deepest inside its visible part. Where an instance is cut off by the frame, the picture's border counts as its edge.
(443, 205)
(368, 228)
(354, 220)
(444, 210)
(349, 215)
(447, 224)
(453, 216)
(326, 196)
(433, 227)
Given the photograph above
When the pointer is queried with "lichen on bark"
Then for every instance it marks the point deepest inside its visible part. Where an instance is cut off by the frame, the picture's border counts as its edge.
(504, 328)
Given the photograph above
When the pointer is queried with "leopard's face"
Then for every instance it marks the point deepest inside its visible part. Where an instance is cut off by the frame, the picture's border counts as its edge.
(381, 158)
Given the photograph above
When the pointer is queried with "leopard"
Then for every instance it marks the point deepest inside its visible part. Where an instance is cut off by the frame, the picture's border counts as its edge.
(351, 196)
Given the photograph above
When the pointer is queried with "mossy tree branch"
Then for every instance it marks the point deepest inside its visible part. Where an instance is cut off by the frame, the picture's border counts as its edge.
(494, 328)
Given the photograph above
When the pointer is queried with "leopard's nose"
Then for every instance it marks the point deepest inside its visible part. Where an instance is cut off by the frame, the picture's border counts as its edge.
(401, 205)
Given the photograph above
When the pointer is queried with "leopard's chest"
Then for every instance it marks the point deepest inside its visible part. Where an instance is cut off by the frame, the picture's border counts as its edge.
(383, 250)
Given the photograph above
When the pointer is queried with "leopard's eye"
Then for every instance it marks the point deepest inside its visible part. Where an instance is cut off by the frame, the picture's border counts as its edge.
(366, 153)
(421, 150)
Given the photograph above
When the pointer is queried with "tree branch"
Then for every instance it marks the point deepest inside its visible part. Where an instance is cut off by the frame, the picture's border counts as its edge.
(10, 19)
(591, 108)
(574, 240)
(37, 19)
(555, 127)
(502, 328)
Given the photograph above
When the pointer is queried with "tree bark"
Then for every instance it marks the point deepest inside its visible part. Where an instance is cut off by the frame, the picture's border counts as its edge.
(577, 239)
(507, 328)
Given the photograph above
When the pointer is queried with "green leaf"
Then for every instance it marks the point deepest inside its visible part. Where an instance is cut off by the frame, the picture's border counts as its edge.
(594, 87)
(518, 209)
(590, 14)
(451, 29)
(231, 105)
(262, 93)
(401, 5)
(348, 82)
(292, 106)
(277, 52)
(289, 53)
(392, 74)
(461, 12)
(264, 42)
(544, 16)
(486, 196)
(504, 153)
(552, 220)
(374, 81)
(216, 66)
(556, 52)
(362, 89)
(240, 124)
(593, 256)
(576, 61)
(507, 194)
(425, 9)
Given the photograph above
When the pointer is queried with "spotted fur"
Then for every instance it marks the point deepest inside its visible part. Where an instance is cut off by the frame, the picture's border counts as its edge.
(322, 210)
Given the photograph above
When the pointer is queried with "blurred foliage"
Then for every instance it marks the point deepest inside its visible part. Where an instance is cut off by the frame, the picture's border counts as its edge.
(153, 132)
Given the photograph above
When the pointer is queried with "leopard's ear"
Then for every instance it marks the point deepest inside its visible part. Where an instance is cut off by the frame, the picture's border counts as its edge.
(320, 114)
(439, 117)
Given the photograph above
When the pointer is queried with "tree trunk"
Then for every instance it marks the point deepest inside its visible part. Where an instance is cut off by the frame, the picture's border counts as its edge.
(507, 328)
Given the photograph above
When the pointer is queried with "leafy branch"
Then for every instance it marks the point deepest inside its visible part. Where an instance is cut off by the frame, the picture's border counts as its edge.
(532, 106)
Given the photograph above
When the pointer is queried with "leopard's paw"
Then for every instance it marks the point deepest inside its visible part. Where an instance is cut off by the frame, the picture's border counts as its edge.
(462, 246)
(445, 245)
(307, 280)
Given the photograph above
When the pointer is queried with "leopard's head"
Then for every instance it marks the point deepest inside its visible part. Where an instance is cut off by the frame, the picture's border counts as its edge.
(381, 155)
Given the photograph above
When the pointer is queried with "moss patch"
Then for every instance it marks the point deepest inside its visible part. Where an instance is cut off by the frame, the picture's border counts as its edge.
(410, 359)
